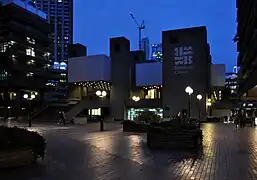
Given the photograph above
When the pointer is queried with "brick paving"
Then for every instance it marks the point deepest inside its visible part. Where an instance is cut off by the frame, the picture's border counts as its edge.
(78, 153)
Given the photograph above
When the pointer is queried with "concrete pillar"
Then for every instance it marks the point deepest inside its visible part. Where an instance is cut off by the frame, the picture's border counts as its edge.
(120, 76)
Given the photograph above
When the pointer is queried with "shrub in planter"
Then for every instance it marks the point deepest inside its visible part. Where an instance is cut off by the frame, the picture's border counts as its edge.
(14, 139)
(147, 117)
(174, 134)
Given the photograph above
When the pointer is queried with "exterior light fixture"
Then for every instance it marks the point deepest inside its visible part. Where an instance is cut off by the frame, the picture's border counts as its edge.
(189, 90)
(101, 93)
(136, 98)
(25, 96)
(199, 97)
(29, 98)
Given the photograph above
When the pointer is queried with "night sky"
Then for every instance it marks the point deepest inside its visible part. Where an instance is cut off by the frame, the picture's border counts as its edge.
(95, 21)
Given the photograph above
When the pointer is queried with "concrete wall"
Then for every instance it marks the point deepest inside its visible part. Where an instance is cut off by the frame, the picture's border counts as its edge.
(186, 63)
(89, 68)
(121, 62)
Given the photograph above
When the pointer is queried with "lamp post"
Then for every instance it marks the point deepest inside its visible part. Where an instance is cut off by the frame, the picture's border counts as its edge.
(189, 91)
(199, 97)
(101, 94)
(29, 98)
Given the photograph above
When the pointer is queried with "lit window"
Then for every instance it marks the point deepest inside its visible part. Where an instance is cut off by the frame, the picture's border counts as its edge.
(66, 37)
(30, 40)
(3, 75)
(63, 66)
(151, 94)
(30, 62)
(95, 112)
(30, 74)
(30, 52)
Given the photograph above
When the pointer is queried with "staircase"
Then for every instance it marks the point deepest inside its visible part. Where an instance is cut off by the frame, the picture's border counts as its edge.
(38, 111)
(85, 104)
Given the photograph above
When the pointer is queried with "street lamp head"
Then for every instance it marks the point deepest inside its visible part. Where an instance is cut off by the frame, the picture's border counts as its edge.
(98, 93)
(25, 96)
(189, 90)
(136, 98)
(103, 93)
(33, 96)
(199, 97)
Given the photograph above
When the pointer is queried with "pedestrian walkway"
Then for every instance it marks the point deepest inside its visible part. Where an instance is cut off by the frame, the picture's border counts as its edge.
(227, 153)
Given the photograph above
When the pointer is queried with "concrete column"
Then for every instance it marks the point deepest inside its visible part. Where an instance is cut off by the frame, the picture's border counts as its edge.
(120, 76)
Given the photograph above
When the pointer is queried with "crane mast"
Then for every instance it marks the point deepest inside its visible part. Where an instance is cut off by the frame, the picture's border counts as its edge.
(140, 27)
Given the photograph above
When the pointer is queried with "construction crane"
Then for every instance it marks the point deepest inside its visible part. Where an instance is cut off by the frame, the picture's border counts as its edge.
(140, 28)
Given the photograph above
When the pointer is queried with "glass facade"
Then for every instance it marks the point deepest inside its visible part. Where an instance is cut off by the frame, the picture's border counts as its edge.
(133, 112)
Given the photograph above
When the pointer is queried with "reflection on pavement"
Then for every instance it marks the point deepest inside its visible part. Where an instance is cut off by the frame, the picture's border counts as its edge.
(74, 153)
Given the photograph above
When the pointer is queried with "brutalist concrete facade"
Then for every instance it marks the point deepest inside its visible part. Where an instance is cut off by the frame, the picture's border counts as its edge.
(186, 62)
(121, 60)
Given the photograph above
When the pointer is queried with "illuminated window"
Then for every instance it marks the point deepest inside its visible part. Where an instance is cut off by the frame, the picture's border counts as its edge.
(4, 46)
(30, 62)
(95, 112)
(31, 40)
(29, 74)
(12, 95)
(151, 94)
(3, 75)
(30, 52)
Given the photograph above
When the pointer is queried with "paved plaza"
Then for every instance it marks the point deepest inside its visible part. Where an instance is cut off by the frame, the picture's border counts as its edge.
(84, 153)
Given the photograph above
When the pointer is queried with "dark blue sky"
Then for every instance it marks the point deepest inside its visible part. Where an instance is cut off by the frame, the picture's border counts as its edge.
(95, 21)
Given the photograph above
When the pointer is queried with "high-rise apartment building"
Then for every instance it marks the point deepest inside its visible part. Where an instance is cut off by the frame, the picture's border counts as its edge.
(60, 15)
(145, 45)
(156, 52)
(246, 46)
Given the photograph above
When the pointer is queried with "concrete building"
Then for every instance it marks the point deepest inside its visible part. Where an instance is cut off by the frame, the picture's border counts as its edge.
(246, 47)
(25, 49)
(119, 86)
(77, 50)
(186, 62)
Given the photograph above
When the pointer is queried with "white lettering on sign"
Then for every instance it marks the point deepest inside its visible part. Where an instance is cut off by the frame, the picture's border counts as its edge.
(183, 59)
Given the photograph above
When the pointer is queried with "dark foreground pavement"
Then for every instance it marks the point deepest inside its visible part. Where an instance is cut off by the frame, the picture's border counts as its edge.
(79, 153)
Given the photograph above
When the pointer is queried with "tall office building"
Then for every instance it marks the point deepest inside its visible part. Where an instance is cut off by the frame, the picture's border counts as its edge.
(156, 52)
(146, 49)
(60, 15)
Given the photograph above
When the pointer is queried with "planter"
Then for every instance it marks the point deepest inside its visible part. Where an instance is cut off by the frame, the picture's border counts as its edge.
(16, 158)
(80, 120)
(130, 126)
(174, 140)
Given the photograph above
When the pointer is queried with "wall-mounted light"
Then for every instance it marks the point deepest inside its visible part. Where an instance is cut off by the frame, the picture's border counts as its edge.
(136, 98)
